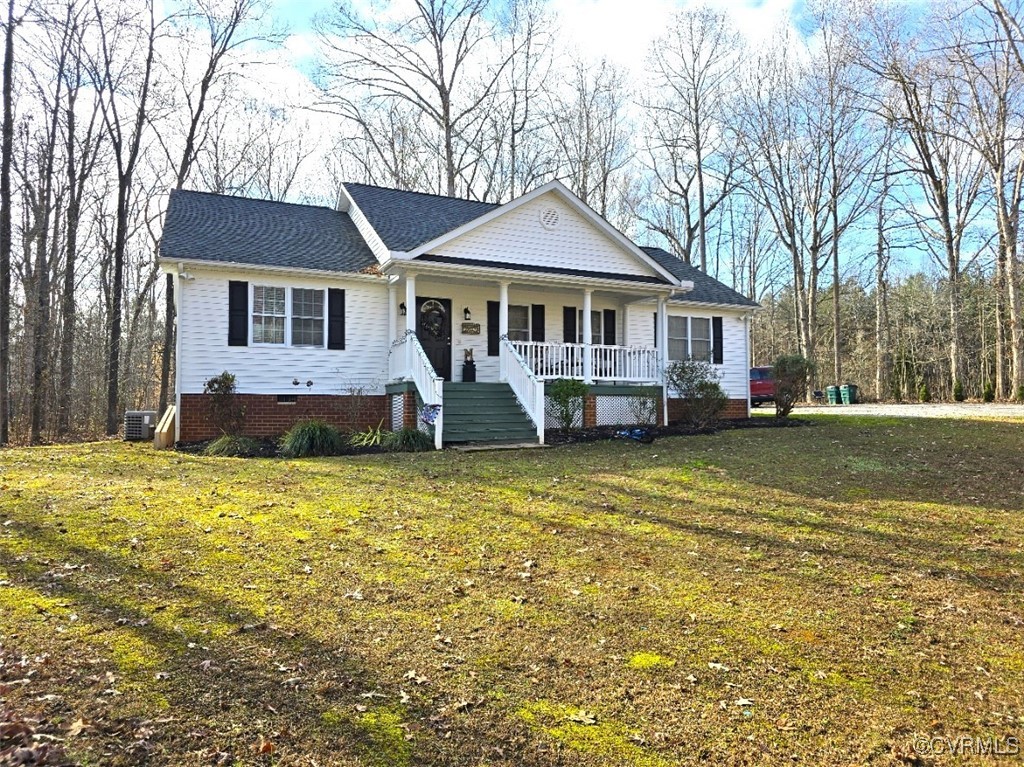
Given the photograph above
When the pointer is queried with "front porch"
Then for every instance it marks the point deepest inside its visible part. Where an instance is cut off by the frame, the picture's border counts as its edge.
(518, 336)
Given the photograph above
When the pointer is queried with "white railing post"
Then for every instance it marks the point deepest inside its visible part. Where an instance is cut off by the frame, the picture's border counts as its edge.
(528, 388)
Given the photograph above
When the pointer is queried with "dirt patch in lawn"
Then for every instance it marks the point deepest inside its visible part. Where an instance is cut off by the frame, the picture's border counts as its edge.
(758, 596)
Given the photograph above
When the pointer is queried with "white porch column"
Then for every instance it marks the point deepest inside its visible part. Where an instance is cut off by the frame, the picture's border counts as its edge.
(502, 326)
(392, 314)
(662, 347)
(588, 362)
(410, 315)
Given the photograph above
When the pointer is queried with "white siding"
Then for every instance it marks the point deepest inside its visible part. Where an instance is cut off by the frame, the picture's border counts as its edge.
(734, 369)
(519, 237)
(203, 330)
(476, 299)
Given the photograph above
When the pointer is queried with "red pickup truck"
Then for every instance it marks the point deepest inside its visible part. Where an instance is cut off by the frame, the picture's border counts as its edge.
(762, 386)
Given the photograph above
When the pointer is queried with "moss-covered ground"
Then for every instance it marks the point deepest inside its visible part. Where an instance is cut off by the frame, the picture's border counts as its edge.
(816, 595)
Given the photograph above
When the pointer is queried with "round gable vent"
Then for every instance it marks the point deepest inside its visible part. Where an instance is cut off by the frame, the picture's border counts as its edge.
(549, 218)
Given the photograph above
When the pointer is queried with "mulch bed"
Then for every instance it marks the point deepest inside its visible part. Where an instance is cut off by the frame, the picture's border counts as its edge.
(674, 429)
(269, 448)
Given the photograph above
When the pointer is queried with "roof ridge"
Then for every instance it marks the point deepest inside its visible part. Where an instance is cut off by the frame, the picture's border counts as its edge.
(256, 199)
(422, 194)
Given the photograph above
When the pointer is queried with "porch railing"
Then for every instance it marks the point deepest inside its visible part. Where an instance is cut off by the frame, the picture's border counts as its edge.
(550, 360)
(528, 388)
(410, 362)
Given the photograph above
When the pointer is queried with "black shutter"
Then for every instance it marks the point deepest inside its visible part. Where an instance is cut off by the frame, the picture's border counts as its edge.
(609, 327)
(493, 322)
(335, 318)
(537, 323)
(569, 325)
(238, 313)
(655, 329)
(716, 340)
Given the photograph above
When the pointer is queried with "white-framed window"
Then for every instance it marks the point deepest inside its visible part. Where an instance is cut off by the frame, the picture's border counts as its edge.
(596, 327)
(288, 316)
(518, 323)
(307, 317)
(269, 311)
(678, 338)
(700, 338)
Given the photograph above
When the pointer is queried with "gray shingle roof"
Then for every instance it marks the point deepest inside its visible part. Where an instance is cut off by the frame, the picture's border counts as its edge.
(407, 219)
(706, 289)
(214, 227)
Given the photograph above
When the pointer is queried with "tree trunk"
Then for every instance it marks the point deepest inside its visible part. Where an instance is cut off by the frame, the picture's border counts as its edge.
(6, 155)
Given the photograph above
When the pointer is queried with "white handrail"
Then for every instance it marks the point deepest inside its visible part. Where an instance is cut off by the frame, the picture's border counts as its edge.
(410, 361)
(550, 360)
(527, 387)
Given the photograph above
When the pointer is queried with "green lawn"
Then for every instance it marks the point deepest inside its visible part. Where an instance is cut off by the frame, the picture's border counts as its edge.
(813, 595)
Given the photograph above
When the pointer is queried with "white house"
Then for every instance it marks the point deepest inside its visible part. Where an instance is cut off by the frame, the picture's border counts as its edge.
(369, 313)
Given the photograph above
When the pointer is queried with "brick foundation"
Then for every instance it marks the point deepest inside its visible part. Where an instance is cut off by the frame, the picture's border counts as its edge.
(265, 417)
(735, 409)
(409, 415)
(589, 411)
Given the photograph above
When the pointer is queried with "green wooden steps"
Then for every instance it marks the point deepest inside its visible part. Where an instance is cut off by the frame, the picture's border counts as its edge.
(484, 412)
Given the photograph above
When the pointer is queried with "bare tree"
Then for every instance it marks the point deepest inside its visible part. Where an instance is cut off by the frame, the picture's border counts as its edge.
(6, 231)
(226, 30)
(921, 99)
(693, 69)
(443, 61)
(123, 70)
(590, 130)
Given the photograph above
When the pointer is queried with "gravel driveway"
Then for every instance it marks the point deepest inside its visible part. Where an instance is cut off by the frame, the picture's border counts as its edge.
(919, 410)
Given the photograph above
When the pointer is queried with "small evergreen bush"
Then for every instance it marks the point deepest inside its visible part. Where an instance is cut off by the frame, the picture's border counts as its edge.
(567, 396)
(226, 412)
(989, 395)
(696, 383)
(923, 393)
(1020, 394)
(312, 438)
(233, 446)
(791, 372)
(407, 441)
(958, 392)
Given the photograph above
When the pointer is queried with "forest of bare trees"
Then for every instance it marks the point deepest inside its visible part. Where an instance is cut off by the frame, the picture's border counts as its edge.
(860, 172)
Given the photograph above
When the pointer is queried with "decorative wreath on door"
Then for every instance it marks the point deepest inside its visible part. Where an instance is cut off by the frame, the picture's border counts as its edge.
(432, 319)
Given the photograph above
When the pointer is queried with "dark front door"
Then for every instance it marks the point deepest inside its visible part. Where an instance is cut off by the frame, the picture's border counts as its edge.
(434, 329)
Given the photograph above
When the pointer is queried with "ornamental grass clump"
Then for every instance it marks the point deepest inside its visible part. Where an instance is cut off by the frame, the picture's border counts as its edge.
(312, 438)
(233, 446)
(407, 441)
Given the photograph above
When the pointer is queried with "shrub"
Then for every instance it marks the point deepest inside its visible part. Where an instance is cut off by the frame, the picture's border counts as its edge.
(312, 438)
(791, 372)
(1020, 394)
(989, 395)
(371, 437)
(643, 409)
(923, 393)
(696, 383)
(226, 412)
(233, 446)
(958, 392)
(567, 397)
(407, 441)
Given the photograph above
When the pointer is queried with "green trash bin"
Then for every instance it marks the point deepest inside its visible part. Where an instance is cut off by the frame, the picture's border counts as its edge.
(849, 392)
(833, 395)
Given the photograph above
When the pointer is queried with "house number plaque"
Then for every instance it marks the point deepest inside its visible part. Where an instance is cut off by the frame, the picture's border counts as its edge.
(470, 328)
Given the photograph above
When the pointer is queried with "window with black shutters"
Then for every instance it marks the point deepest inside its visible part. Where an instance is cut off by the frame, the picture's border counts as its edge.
(307, 317)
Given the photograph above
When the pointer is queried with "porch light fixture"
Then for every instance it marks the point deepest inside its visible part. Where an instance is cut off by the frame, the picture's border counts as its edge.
(467, 314)
(401, 308)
